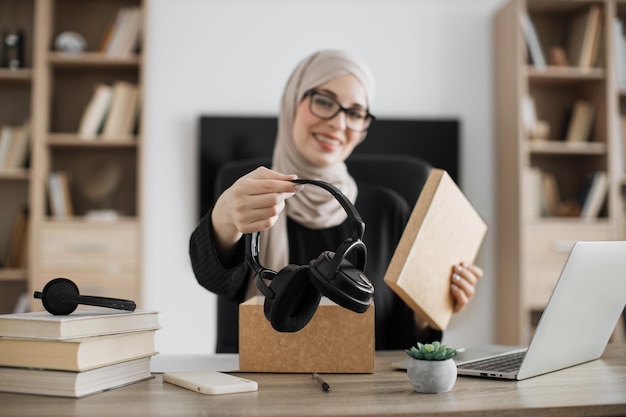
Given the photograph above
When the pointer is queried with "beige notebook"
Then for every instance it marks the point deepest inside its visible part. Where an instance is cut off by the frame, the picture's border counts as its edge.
(443, 230)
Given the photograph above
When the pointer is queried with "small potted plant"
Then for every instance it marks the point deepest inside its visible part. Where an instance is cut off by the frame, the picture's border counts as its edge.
(432, 369)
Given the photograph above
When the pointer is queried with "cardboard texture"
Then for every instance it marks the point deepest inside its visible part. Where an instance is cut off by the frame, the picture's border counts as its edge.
(336, 340)
(443, 230)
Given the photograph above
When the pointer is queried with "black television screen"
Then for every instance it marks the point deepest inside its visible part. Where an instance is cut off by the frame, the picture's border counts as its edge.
(228, 138)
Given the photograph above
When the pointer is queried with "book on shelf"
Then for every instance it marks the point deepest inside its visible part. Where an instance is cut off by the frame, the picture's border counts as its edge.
(535, 203)
(77, 355)
(619, 51)
(598, 49)
(619, 152)
(84, 322)
(16, 146)
(16, 249)
(123, 35)
(74, 384)
(551, 195)
(544, 196)
(64, 185)
(533, 43)
(6, 139)
(595, 196)
(584, 36)
(580, 121)
(95, 113)
(59, 194)
(121, 120)
(529, 114)
(443, 230)
(20, 146)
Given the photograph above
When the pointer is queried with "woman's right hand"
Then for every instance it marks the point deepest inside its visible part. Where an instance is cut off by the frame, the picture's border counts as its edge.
(251, 204)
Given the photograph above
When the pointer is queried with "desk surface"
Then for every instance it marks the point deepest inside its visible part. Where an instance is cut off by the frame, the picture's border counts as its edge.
(594, 388)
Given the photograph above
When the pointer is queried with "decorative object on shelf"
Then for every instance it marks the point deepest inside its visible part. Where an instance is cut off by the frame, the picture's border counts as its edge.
(70, 42)
(99, 179)
(13, 49)
(541, 131)
(558, 56)
(432, 370)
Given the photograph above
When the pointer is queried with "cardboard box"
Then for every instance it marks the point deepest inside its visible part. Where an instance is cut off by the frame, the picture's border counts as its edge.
(336, 340)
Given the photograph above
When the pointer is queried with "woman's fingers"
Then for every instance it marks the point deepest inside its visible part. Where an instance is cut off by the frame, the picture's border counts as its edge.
(463, 284)
(259, 197)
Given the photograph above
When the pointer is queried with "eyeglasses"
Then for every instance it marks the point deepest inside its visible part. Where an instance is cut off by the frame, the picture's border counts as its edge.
(326, 108)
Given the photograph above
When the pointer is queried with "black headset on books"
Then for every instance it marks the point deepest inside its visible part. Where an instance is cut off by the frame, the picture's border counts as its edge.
(60, 297)
(294, 293)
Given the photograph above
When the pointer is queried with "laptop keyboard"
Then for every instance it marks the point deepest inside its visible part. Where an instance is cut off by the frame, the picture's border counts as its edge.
(505, 363)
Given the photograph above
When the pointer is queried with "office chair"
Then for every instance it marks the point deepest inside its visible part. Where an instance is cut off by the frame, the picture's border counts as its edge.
(403, 174)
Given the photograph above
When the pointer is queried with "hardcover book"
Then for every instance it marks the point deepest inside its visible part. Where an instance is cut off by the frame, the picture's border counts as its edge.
(584, 34)
(532, 41)
(73, 384)
(83, 322)
(76, 354)
(95, 114)
(443, 230)
(595, 196)
(123, 113)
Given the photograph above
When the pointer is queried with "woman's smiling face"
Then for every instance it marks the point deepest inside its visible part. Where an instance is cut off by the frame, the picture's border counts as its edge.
(327, 142)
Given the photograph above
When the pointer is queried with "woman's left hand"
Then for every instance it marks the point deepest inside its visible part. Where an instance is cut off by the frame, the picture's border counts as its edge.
(464, 279)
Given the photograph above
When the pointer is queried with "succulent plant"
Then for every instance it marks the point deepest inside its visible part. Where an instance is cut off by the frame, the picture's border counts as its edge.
(434, 351)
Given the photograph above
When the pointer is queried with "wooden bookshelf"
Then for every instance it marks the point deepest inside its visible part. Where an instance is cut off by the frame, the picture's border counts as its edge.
(16, 99)
(52, 90)
(532, 247)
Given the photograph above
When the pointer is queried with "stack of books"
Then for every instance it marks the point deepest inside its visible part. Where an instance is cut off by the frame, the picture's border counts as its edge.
(90, 351)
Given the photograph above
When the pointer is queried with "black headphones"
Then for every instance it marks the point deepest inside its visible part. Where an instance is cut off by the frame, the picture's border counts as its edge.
(294, 293)
(60, 297)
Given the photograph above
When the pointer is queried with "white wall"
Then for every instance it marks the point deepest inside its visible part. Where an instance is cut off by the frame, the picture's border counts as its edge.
(430, 58)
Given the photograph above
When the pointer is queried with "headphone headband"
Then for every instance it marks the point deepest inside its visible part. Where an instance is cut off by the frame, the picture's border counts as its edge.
(358, 225)
(252, 240)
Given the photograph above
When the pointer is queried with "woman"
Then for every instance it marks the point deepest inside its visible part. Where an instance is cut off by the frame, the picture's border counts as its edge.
(324, 115)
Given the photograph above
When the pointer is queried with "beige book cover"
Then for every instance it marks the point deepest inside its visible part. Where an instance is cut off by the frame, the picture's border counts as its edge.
(123, 113)
(443, 230)
(95, 114)
(582, 30)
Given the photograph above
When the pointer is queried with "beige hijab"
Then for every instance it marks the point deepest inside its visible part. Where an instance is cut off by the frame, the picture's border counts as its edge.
(313, 207)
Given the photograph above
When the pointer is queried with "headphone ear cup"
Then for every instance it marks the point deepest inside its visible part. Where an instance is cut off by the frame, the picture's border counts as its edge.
(348, 287)
(295, 299)
(60, 296)
(54, 294)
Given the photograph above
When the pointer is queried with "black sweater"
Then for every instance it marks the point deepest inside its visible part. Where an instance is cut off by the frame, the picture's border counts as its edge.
(385, 214)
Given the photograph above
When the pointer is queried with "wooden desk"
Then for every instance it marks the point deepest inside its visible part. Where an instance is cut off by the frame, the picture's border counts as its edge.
(594, 388)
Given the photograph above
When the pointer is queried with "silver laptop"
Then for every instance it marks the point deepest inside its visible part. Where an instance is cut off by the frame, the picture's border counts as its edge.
(578, 321)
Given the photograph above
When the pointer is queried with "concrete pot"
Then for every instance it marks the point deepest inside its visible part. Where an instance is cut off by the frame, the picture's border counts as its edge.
(432, 377)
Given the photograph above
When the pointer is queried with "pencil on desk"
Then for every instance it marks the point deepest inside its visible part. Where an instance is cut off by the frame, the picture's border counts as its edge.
(323, 383)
